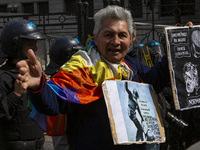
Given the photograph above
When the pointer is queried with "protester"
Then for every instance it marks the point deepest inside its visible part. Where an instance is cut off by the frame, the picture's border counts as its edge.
(76, 88)
(60, 51)
(17, 131)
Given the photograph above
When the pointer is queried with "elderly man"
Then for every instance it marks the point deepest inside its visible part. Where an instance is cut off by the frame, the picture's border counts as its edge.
(76, 88)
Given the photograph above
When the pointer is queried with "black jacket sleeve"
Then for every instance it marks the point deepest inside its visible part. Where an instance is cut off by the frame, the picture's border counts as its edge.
(158, 75)
(9, 101)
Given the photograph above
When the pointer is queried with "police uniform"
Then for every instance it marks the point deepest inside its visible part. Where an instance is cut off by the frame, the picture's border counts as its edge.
(17, 131)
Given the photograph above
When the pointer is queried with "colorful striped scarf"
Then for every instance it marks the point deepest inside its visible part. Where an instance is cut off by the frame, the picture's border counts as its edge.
(79, 80)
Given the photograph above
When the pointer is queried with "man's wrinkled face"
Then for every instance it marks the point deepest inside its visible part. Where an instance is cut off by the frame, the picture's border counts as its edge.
(113, 40)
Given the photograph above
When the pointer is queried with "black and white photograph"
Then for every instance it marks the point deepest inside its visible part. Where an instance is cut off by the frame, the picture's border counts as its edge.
(133, 111)
(183, 55)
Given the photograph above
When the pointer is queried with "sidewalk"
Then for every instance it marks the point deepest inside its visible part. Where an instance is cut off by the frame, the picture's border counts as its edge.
(194, 146)
(48, 145)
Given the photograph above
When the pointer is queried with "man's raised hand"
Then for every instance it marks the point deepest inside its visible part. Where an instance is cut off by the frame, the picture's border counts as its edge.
(30, 72)
(190, 24)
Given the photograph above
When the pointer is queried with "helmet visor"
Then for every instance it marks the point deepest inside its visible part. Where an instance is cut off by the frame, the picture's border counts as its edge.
(41, 53)
(34, 36)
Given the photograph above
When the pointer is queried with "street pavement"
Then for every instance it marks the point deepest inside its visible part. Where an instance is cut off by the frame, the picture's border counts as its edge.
(48, 145)
(195, 146)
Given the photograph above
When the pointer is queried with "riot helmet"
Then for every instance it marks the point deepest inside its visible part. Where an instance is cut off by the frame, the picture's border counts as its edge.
(14, 33)
(155, 46)
(156, 51)
(61, 50)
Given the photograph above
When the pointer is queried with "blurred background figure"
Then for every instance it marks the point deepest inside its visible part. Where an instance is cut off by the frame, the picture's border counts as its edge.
(61, 50)
(156, 50)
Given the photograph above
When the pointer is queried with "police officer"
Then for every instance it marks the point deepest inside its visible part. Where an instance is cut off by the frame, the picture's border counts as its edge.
(60, 52)
(17, 131)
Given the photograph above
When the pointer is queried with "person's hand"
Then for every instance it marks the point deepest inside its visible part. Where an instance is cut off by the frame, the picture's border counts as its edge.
(190, 24)
(30, 72)
(18, 88)
(47, 78)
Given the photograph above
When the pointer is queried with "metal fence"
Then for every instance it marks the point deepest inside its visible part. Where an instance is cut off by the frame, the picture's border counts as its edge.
(51, 24)
(150, 16)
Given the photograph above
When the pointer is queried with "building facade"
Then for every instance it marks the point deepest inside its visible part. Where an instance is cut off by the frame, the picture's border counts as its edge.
(74, 17)
(60, 17)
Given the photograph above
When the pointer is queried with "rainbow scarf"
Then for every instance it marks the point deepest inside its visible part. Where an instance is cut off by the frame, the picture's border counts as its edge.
(79, 80)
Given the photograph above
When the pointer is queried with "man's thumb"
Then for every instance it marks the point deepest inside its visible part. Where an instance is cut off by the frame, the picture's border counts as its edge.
(31, 57)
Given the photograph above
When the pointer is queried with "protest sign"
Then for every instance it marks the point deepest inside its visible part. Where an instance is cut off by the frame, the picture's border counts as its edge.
(133, 112)
(183, 49)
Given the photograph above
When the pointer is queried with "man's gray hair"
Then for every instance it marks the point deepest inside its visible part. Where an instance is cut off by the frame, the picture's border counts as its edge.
(114, 12)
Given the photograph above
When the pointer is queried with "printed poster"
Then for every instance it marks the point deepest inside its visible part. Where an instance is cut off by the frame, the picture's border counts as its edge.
(134, 115)
(183, 49)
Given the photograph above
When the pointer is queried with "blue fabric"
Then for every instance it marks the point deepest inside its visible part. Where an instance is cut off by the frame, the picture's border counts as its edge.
(158, 75)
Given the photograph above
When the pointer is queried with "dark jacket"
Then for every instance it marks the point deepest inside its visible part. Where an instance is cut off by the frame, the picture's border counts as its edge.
(15, 124)
(88, 125)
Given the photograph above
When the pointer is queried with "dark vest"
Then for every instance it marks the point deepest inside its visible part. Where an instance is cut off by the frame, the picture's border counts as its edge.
(15, 124)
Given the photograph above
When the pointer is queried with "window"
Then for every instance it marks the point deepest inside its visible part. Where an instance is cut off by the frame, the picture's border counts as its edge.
(136, 8)
(28, 8)
(3, 8)
(177, 7)
(71, 6)
(91, 8)
(43, 7)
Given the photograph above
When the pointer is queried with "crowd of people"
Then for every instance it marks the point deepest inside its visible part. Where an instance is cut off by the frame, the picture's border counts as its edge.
(71, 85)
